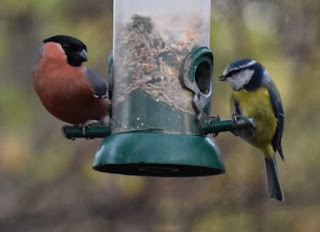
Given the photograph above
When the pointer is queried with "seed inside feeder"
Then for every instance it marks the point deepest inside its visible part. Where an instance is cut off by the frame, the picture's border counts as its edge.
(149, 57)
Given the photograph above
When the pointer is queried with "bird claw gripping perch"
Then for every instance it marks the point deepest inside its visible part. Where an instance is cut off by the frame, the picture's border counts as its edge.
(87, 124)
(215, 125)
(217, 119)
(238, 122)
(235, 118)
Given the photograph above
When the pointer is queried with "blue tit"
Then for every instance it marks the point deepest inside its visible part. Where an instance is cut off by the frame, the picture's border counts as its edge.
(256, 96)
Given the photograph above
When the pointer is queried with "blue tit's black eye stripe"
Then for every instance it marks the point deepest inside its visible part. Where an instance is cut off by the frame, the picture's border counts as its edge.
(230, 74)
(240, 65)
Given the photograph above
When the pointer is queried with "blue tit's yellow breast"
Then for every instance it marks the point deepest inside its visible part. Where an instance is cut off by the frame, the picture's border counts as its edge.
(257, 104)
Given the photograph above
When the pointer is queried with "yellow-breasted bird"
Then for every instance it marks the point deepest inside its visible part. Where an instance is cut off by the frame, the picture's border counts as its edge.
(256, 96)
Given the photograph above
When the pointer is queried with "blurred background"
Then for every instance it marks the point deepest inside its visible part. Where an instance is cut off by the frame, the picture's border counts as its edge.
(47, 183)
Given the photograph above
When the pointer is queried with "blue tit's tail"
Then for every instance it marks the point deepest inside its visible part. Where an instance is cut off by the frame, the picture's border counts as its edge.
(273, 179)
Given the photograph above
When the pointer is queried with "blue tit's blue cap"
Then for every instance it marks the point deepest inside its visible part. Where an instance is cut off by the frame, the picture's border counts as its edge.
(239, 64)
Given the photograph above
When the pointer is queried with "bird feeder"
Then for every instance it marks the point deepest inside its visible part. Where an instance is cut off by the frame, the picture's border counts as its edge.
(160, 86)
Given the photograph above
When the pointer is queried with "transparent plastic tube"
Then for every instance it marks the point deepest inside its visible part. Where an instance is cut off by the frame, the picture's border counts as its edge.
(150, 44)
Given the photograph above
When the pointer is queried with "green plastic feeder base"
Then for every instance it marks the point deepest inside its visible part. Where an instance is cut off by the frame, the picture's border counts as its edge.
(157, 154)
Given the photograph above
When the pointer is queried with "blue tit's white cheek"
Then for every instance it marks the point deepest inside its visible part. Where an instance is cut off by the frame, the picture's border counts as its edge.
(225, 71)
(239, 80)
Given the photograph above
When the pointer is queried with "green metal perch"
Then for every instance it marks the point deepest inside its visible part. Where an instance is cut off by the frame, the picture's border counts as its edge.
(215, 125)
(212, 126)
(92, 132)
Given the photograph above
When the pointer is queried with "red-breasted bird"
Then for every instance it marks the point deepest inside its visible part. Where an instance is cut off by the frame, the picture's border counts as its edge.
(66, 88)
(256, 96)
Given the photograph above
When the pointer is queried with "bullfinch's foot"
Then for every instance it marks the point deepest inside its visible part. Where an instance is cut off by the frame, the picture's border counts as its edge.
(235, 132)
(104, 121)
(88, 124)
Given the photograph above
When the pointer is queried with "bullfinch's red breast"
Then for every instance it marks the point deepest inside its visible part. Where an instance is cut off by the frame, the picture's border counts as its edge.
(66, 88)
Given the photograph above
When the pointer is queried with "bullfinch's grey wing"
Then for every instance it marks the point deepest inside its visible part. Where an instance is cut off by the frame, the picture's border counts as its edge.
(99, 85)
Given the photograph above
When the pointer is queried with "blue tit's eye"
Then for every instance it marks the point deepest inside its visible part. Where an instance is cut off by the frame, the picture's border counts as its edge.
(230, 74)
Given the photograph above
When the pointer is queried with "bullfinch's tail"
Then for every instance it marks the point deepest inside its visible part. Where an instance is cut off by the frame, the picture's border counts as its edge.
(274, 186)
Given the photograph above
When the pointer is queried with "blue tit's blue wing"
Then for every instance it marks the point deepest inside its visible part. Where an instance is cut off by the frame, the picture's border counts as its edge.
(278, 111)
(234, 105)
(99, 85)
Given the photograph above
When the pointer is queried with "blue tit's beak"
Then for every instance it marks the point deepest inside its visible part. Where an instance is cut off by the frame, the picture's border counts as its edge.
(222, 78)
(83, 55)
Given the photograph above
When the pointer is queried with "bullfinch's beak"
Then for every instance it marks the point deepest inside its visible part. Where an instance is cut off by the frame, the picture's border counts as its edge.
(222, 78)
(83, 55)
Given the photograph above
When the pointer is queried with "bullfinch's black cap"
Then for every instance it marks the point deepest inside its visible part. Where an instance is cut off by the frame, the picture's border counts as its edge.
(75, 50)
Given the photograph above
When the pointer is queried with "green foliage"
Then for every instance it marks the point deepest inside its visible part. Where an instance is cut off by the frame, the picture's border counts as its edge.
(13, 105)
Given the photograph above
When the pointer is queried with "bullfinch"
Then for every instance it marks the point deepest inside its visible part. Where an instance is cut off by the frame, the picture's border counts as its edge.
(256, 96)
(66, 88)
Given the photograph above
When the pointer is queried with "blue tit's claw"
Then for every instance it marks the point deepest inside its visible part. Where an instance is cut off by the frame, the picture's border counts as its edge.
(235, 117)
(215, 118)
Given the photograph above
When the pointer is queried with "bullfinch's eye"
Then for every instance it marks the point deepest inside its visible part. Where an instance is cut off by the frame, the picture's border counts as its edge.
(65, 47)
